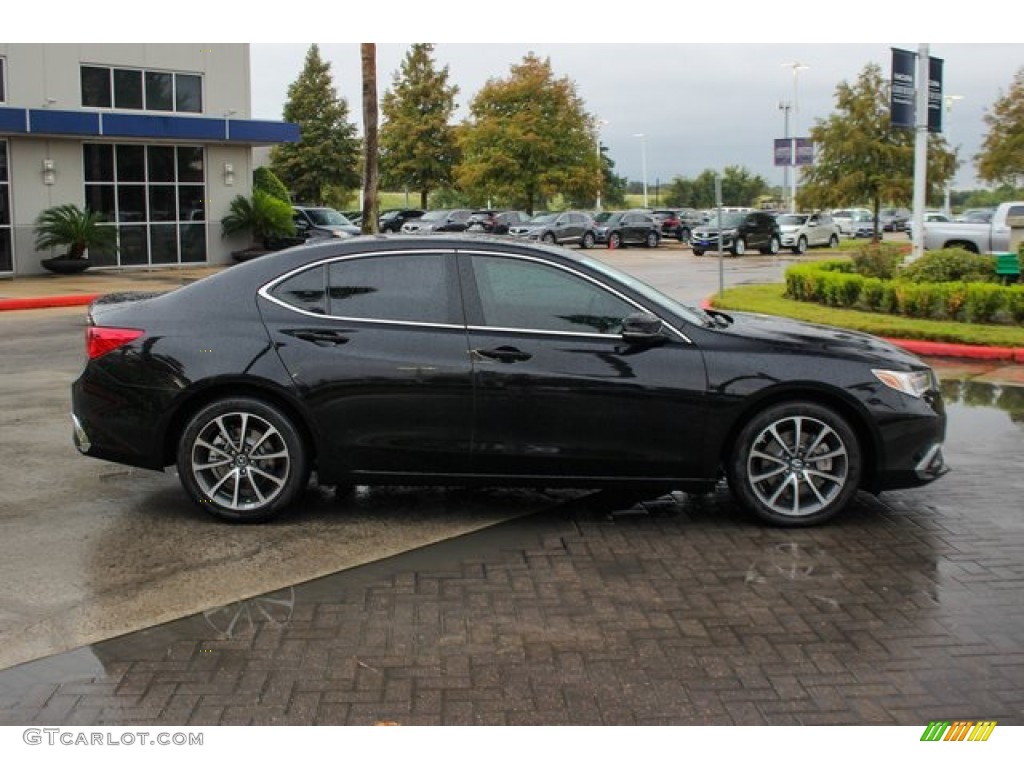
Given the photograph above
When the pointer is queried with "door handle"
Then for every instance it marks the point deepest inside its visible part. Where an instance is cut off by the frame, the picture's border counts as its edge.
(322, 338)
(500, 355)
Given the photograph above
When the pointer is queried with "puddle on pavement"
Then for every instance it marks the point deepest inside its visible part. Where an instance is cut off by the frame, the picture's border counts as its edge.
(981, 408)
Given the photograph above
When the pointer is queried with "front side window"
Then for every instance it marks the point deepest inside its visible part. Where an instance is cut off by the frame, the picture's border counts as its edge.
(528, 295)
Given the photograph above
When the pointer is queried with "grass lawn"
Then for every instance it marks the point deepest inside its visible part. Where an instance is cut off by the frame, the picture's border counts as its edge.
(769, 300)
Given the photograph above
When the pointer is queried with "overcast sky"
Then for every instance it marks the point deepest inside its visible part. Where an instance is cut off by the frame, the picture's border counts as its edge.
(700, 104)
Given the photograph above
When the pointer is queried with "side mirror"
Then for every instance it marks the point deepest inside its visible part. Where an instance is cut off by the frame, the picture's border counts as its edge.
(641, 326)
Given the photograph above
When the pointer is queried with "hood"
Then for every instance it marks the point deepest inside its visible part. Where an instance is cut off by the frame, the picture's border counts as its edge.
(823, 339)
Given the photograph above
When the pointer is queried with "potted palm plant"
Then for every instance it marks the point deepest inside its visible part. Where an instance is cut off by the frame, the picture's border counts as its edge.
(263, 216)
(76, 231)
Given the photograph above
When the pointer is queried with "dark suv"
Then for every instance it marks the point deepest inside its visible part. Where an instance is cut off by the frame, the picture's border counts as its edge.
(740, 230)
(392, 220)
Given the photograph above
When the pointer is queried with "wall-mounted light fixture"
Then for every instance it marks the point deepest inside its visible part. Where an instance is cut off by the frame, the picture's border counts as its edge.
(229, 175)
(49, 172)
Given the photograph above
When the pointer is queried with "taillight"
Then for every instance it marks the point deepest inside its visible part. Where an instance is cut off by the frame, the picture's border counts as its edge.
(99, 340)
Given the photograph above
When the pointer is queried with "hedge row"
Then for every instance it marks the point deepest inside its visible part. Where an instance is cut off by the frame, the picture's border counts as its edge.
(835, 284)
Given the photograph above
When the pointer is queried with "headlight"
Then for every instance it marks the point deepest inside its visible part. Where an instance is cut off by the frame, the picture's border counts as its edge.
(913, 383)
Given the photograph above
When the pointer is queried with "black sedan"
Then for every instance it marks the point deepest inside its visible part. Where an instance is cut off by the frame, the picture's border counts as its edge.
(459, 360)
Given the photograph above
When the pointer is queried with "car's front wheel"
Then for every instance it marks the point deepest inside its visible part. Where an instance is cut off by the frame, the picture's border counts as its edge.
(242, 459)
(739, 247)
(773, 246)
(652, 240)
(833, 242)
(614, 240)
(549, 238)
(587, 241)
(801, 245)
(795, 463)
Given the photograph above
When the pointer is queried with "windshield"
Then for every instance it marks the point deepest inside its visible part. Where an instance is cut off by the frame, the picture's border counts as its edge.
(328, 217)
(654, 296)
(607, 216)
(434, 215)
(792, 219)
(729, 220)
(543, 218)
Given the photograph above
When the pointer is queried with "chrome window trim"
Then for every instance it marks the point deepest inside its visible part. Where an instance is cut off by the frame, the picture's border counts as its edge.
(264, 292)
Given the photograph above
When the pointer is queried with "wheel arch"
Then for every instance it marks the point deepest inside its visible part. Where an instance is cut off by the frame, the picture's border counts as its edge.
(867, 439)
(198, 399)
(966, 245)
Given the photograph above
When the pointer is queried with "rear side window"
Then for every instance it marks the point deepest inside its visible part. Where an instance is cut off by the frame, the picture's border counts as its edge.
(405, 288)
(305, 290)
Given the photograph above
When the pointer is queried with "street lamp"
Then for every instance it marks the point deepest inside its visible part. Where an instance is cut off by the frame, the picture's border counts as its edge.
(600, 164)
(949, 100)
(785, 107)
(796, 66)
(643, 161)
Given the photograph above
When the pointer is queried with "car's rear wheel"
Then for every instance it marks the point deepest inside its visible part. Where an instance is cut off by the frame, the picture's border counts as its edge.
(652, 240)
(588, 240)
(795, 463)
(614, 240)
(773, 246)
(549, 238)
(801, 245)
(833, 242)
(242, 459)
(739, 247)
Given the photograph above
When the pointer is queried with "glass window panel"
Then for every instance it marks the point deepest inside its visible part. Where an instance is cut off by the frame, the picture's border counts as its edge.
(190, 164)
(522, 294)
(5, 209)
(160, 91)
(304, 290)
(99, 162)
(3, 161)
(191, 203)
(161, 163)
(163, 243)
(103, 258)
(193, 242)
(96, 87)
(188, 93)
(412, 288)
(100, 198)
(131, 162)
(132, 244)
(6, 251)
(131, 203)
(162, 203)
(127, 89)
(3, 92)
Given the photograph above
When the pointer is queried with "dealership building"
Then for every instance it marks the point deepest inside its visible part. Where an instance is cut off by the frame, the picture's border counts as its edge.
(157, 138)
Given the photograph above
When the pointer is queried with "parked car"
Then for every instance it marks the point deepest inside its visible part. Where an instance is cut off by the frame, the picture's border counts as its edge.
(617, 229)
(453, 360)
(843, 217)
(678, 223)
(862, 225)
(740, 231)
(438, 220)
(800, 231)
(566, 228)
(318, 221)
(893, 219)
(496, 222)
(392, 219)
(993, 237)
(976, 215)
(930, 217)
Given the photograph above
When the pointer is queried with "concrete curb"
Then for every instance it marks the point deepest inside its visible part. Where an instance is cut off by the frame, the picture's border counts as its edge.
(46, 302)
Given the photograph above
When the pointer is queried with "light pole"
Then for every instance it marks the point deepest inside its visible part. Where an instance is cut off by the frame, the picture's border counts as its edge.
(784, 107)
(643, 161)
(796, 66)
(950, 100)
(600, 164)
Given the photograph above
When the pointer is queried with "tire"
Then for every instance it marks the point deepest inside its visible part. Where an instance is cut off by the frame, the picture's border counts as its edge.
(683, 235)
(549, 238)
(795, 464)
(588, 240)
(242, 460)
(697, 252)
(774, 246)
(801, 246)
(739, 247)
(833, 242)
(614, 240)
(652, 240)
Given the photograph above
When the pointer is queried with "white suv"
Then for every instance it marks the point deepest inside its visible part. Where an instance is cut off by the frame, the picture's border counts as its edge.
(845, 219)
(801, 231)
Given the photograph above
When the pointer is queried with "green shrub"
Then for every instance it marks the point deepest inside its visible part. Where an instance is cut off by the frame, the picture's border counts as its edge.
(871, 291)
(982, 301)
(1015, 303)
(950, 265)
(265, 180)
(878, 260)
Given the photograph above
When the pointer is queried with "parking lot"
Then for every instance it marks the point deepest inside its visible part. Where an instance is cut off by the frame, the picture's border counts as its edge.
(125, 605)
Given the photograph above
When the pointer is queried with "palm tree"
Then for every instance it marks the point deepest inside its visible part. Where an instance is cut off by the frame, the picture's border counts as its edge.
(68, 226)
(262, 216)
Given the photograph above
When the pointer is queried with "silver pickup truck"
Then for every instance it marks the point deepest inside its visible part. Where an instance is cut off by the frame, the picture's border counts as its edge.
(977, 238)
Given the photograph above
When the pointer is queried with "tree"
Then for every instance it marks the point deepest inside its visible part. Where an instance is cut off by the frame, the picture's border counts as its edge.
(418, 149)
(861, 157)
(77, 230)
(368, 52)
(529, 138)
(262, 216)
(266, 180)
(322, 167)
(739, 188)
(1002, 154)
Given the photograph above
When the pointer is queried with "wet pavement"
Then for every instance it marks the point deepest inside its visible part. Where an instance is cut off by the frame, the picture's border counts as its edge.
(599, 611)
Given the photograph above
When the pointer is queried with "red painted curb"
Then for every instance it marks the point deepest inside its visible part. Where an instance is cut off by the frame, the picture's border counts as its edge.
(944, 349)
(45, 302)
